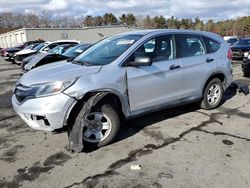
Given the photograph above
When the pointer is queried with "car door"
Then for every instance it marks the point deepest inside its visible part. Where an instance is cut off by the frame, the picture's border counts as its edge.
(196, 65)
(152, 87)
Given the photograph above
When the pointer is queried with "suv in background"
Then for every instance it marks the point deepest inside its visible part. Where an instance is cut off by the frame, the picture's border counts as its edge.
(240, 47)
(131, 74)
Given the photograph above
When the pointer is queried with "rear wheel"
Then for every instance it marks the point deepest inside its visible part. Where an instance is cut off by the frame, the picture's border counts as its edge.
(212, 95)
(101, 126)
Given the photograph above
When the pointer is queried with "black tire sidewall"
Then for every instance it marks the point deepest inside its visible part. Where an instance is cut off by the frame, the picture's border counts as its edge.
(109, 111)
(205, 104)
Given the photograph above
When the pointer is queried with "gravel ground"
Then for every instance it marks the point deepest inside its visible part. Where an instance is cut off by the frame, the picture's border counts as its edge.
(180, 147)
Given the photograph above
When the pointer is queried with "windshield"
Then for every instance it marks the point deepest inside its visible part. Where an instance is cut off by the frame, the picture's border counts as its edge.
(40, 46)
(243, 42)
(57, 50)
(77, 50)
(107, 50)
(232, 40)
(31, 46)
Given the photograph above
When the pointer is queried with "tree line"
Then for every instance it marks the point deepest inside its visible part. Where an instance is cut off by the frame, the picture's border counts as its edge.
(236, 27)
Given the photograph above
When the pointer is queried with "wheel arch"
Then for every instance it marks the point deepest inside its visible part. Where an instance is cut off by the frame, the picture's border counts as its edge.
(220, 75)
(112, 96)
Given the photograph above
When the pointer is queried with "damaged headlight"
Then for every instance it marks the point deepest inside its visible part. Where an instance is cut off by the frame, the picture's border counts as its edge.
(45, 89)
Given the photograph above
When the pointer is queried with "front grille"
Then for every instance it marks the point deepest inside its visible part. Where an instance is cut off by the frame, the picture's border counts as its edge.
(18, 58)
(235, 50)
(237, 53)
(23, 93)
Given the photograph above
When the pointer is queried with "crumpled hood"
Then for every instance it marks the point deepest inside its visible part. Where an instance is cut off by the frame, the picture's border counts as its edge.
(34, 60)
(60, 71)
(25, 51)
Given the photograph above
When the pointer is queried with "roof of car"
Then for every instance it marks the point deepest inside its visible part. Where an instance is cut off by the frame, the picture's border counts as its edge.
(66, 45)
(162, 31)
(147, 31)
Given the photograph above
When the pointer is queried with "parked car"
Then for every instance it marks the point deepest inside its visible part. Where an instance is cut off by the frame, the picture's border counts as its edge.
(42, 48)
(52, 45)
(76, 51)
(240, 47)
(232, 41)
(246, 64)
(62, 48)
(124, 76)
(54, 56)
(26, 49)
(19, 56)
(25, 44)
(8, 53)
(2, 51)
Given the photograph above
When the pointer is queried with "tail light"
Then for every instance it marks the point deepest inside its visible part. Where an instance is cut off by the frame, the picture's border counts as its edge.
(229, 54)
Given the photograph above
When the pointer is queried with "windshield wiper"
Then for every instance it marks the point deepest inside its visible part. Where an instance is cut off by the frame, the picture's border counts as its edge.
(81, 62)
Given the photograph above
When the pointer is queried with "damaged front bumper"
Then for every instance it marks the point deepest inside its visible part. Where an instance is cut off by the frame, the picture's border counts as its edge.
(241, 87)
(45, 113)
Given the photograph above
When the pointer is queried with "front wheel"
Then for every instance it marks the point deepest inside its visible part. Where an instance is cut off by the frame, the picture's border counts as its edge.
(101, 126)
(212, 95)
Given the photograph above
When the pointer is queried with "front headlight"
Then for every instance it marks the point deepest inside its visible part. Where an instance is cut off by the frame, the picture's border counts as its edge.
(45, 89)
(246, 54)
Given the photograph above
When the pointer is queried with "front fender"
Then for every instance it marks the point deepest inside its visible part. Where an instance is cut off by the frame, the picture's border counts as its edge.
(122, 97)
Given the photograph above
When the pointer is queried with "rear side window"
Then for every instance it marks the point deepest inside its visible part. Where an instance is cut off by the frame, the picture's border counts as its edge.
(149, 46)
(189, 45)
(212, 45)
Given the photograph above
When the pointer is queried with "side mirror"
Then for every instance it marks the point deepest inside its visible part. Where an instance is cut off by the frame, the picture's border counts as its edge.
(46, 49)
(141, 61)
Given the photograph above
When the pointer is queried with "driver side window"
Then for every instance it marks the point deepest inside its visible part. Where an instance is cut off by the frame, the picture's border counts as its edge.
(157, 49)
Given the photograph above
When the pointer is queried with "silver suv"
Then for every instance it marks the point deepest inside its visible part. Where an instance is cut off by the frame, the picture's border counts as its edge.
(126, 75)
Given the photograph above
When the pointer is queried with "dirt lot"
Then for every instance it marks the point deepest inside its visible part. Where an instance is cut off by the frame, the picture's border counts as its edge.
(180, 147)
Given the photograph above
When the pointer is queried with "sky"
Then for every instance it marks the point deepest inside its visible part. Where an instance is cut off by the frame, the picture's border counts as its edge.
(205, 9)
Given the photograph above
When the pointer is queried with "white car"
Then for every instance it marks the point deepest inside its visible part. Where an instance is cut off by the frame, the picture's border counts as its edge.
(41, 48)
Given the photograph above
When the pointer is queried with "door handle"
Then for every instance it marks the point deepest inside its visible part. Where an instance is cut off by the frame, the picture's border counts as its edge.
(208, 60)
(172, 67)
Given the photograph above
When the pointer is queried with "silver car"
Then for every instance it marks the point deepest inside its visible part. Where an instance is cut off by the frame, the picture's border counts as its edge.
(124, 76)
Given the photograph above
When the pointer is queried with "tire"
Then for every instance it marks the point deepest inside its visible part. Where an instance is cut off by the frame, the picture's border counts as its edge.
(107, 114)
(246, 74)
(212, 95)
